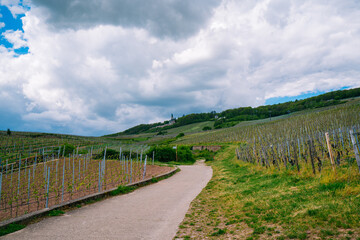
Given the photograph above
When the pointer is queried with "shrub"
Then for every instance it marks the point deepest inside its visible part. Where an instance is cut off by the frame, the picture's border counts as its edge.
(69, 149)
(168, 154)
(185, 154)
(161, 133)
(126, 154)
(180, 135)
(163, 153)
(206, 154)
(110, 154)
(206, 128)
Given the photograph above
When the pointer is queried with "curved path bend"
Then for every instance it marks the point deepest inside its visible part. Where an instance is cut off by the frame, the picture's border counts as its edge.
(150, 212)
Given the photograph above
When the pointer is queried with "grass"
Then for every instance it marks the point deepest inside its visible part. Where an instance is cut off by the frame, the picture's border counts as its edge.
(56, 212)
(11, 228)
(122, 190)
(191, 128)
(252, 202)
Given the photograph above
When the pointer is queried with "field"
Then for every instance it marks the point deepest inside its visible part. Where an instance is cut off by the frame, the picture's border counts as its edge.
(169, 134)
(42, 170)
(46, 184)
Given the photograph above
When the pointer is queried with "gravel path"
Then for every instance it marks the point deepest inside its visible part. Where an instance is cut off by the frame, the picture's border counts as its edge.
(151, 212)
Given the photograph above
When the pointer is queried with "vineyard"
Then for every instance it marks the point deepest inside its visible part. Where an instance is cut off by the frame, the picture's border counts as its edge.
(293, 177)
(297, 141)
(41, 172)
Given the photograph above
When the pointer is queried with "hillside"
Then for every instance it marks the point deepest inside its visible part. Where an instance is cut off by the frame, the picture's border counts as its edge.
(232, 117)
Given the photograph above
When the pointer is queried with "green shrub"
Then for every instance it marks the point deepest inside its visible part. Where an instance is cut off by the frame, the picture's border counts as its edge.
(168, 154)
(184, 154)
(69, 149)
(162, 132)
(163, 153)
(180, 135)
(206, 128)
(111, 154)
(206, 154)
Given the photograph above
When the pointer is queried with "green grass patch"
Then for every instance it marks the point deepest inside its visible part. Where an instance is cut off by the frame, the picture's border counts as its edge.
(154, 180)
(122, 190)
(56, 212)
(11, 228)
(219, 232)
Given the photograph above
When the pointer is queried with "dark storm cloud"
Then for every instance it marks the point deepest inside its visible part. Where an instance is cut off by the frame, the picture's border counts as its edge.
(163, 18)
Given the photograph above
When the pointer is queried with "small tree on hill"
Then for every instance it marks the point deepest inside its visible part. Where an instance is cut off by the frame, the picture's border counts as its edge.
(8, 132)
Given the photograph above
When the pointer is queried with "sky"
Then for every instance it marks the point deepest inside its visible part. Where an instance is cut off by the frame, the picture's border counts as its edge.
(90, 67)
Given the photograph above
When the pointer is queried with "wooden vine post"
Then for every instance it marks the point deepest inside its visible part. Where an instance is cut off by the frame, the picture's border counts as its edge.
(356, 150)
(330, 151)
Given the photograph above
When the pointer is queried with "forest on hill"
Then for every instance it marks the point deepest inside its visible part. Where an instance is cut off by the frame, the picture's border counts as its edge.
(231, 117)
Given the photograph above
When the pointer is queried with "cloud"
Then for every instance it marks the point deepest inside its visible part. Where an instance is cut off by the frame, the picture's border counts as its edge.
(16, 38)
(99, 74)
(16, 7)
(2, 25)
(162, 18)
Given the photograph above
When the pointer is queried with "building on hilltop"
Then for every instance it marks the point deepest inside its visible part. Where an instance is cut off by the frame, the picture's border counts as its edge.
(172, 120)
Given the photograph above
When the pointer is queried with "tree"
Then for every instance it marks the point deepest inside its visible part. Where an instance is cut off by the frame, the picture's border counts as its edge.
(8, 132)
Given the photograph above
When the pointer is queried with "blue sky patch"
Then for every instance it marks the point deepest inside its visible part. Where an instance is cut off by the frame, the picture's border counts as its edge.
(277, 100)
(11, 23)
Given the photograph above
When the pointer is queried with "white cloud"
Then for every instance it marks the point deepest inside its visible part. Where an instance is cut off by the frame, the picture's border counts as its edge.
(108, 77)
(16, 38)
(2, 24)
(16, 7)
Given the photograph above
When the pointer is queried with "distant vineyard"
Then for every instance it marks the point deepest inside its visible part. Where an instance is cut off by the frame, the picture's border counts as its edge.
(29, 144)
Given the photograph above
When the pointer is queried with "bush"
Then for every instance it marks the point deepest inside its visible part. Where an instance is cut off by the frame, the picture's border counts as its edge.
(168, 154)
(69, 149)
(163, 153)
(185, 154)
(110, 154)
(180, 135)
(206, 128)
(161, 133)
(126, 154)
(206, 154)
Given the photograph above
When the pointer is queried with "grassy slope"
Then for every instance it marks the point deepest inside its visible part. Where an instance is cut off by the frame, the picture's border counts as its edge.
(191, 128)
(192, 131)
(152, 138)
(243, 201)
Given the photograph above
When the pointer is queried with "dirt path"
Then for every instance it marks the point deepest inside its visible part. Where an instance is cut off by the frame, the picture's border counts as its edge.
(151, 212)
